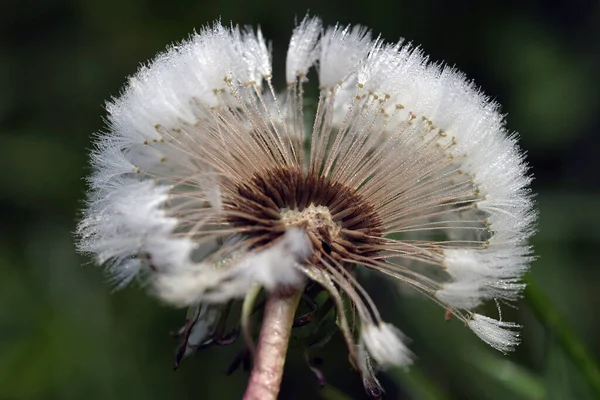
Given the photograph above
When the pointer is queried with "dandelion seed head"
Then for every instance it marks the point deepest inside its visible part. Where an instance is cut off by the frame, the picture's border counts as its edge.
(207, 182)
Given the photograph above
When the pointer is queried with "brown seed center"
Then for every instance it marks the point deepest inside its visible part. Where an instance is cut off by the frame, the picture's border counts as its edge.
(339, 222)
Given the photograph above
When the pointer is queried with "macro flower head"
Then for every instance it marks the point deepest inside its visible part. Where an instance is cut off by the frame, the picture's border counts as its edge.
(209, 183)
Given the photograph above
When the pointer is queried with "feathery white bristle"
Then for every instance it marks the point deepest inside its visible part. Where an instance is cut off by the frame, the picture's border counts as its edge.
(123, 271)
(469, 293)
(384, 343)
(381, 61)
(189, 285)
(257, 53)
(303, 50)
(165, 91)
(110, 163)
(342, 49)
(274, 267)
(129, 221)
(271, 268)
(481, 274)
(501, 335)
(497, 263)
(462, 294)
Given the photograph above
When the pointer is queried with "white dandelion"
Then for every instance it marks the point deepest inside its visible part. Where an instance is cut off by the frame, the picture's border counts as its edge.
(207, 183)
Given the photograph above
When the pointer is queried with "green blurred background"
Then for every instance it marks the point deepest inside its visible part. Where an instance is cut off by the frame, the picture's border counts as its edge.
(64, 335)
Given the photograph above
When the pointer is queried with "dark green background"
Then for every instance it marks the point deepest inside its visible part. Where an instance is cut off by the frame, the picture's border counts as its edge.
(63, 335)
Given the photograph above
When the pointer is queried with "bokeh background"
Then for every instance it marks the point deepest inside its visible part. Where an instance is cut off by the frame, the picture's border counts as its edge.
(64, 335)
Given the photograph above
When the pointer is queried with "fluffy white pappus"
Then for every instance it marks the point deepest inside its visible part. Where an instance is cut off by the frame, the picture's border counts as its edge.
(385, 343)
(439, 93)
(456, 105)
(512, 219)
(271, 268)
(138, 206)
(130, 222)
(166, 251)
(498, 171)
(412, 83)
(342, 50)
(460, 114)
(275, 266)
(168, 90)
(472, 264)
(381, 61)
(303, 50)
(501, 335)
(461, 294)
(189, 285)
(114, 164)
(257, 53)
(111, 168)
(470, 293)
(482, 274)
(504, 175)
(122, 272)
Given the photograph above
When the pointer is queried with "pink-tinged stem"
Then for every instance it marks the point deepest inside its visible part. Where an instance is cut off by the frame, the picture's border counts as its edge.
(265, 379)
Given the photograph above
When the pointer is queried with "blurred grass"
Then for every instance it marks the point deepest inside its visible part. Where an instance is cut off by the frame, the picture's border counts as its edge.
(557, 327)
(63, 335)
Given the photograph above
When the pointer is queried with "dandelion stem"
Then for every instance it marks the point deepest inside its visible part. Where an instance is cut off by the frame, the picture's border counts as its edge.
(269, 359)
